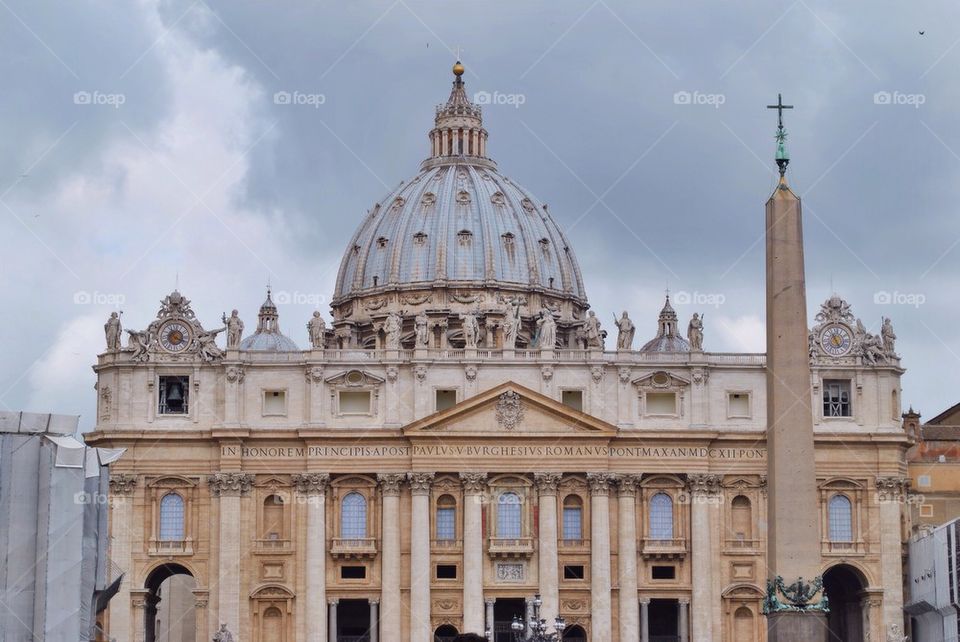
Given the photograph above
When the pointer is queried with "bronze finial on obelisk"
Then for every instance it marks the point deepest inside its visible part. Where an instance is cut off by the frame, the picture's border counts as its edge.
(795, 604)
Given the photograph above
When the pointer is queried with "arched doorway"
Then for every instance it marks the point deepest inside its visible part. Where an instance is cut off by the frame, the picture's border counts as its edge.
(843, 585)
(445, 633)
(169, 613)
(743, 627)
(575, 633)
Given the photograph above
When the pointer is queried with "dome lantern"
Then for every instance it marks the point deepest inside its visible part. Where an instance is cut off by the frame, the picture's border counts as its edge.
(268, 337)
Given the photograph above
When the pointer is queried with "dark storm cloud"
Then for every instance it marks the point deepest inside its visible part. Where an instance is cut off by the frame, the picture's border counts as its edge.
(643, 126)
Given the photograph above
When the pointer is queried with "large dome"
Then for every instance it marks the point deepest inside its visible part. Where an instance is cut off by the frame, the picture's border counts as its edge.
(457, 239)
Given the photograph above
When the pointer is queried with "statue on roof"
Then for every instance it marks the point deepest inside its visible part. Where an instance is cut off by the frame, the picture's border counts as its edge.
(207, 348)
(113, 331)
(511, 325)
(317, 328)
(392, 327)
(234, 329)
(422, 327)
(695, 332)
(471, 330)
(592, 332)
(546, 330)
(889, 338)
(625, 333)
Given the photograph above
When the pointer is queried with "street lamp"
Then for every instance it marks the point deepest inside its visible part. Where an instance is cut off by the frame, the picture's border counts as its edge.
(538, 626)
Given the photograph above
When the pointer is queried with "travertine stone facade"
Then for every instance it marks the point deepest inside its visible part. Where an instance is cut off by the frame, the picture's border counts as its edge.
(397, 481)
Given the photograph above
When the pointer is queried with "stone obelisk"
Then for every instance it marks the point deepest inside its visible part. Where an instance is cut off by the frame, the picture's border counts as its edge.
(794, 611)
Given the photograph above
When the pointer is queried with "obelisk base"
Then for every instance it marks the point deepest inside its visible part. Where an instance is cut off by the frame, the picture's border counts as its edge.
(795, 626)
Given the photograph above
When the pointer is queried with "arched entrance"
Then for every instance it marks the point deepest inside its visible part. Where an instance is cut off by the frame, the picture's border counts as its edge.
(445, 633)
(844, 586)
(575, 633)
(169, 613)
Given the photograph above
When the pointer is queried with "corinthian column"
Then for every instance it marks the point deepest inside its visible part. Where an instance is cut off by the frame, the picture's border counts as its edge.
(892, 493)
(704, 491)
(627, 557)
(229, 487)
(122, 486)
(390, 620)
(549, 561)
(420, 558)
(313, 488)
(474, 487)
(600, 557)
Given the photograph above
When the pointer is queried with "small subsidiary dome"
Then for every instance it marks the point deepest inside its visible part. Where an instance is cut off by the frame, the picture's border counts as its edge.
(667, 339)
(268, 337)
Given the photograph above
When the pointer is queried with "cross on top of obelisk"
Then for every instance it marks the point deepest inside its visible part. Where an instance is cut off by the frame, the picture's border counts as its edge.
(782, 157)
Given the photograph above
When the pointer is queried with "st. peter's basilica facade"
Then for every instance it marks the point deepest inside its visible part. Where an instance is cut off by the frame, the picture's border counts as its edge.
(464, 435)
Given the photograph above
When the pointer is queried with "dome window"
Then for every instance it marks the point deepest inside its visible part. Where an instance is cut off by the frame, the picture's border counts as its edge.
(419, 238)
(528, 206)
(428, 199)
(382, 242)
(398, 204)
(464, 237)
(463, 197)
(497, 198)
(508, 239)
(545, 246)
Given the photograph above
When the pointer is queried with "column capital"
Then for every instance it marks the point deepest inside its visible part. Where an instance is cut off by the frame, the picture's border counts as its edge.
(474, 482)
(600, 483)
(644, 601)
(892, 487)
(374, 602)
(489, 603)
(703, 484)
(230, 484)
(390, 483)
(333, 601)
(684, 601)
(547, 482)
(420, 482)
(311, 483)
(123, 483)
(627, 484)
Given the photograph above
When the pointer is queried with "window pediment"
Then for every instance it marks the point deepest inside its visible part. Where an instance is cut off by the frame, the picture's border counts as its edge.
(661, 380)
(355, 379)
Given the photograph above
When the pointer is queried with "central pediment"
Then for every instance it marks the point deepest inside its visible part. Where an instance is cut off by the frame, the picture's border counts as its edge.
(510, 409)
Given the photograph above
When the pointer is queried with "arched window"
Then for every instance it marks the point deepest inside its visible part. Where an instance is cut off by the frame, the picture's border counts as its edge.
(171, 517)
(446, 518)
(661, 516)
(508, 516)
(574, 634)
(742, 518)
(841, 519)
(353, 516)
(445, 633)
(273, 517)
(572, 517)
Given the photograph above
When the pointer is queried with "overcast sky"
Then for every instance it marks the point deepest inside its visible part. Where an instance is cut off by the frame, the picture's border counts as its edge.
(140, 141)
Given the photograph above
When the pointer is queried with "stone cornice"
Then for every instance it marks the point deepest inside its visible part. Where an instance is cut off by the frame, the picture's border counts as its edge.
(311, 483)
(230, 484)
(390, 483)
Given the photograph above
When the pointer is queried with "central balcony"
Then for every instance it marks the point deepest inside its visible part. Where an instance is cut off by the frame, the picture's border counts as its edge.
(353, 548)
(663, 549)
(510, 546)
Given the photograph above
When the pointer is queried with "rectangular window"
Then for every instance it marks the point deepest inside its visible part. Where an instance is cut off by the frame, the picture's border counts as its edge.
(353, 572)
(446, 571)
(663, 572)
(446, 523)
(923, 481)
(738, 405)
(174, 394)
(274, 402)
(572, 399)
(661, 403)
(354, 402)
(926, 510)
(573, 572)
(446, 399)
(836, 398)
(572, 522)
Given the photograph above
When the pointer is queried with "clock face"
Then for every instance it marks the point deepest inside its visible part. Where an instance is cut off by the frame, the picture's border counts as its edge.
(836, 340)
(175, 336)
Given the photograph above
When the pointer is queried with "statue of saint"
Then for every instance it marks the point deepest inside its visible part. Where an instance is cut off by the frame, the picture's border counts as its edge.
(234, 329)
(391, 330)
(471, 330)
(626, 331)
(113, 330)
(546, 330)
(223, 635)
(591, 328)
(511, 326)
(695, 332)
(889, 338)
(317, 328)
(422, 325)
